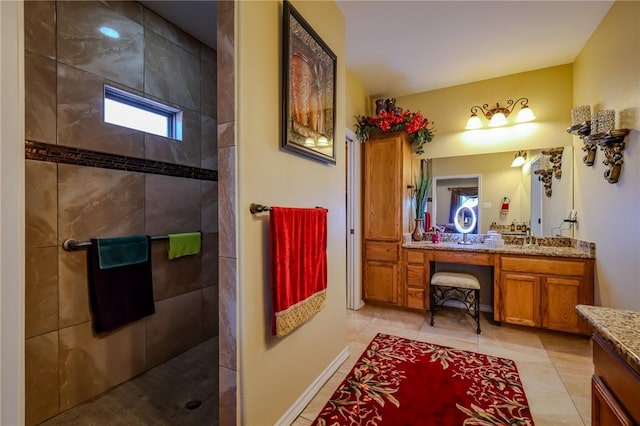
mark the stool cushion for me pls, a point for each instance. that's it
(455, 279)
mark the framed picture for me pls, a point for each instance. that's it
(309, 90)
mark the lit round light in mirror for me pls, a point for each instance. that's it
(309, 142)
(461, 213)
(323, 141)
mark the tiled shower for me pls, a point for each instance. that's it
(69, 193)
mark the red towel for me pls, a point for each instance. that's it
(298, 240)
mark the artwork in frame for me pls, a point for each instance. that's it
(309, 86)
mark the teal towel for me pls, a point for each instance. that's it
(184, 244)
(122, 251)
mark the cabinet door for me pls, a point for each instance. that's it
(559, 299)
(382, 197)
(605, 408)
(520, 298)
(381, 281)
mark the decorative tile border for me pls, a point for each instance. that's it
(83, 157)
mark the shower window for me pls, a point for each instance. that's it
(135, 112)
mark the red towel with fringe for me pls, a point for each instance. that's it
(298, 252)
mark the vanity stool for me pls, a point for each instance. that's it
(464, 288)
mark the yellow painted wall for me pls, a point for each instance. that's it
(274, 372)
(357, 100)
(607, 76)
(549, 91)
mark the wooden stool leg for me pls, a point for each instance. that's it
(432, 301)
(477, 310)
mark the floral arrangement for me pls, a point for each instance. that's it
(418, 127)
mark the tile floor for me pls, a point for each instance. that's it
(555, 368)
(158, 396)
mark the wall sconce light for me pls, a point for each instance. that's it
(519, 160)
(497, 116)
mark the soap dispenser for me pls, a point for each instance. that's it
(513, 226)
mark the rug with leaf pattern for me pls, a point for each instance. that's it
(398, 381)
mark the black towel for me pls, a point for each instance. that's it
(119, 295)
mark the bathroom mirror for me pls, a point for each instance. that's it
(449, 193)
(496, 179)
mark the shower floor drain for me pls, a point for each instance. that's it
(192, 405)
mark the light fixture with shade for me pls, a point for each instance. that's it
(520, 159)
(497, 115)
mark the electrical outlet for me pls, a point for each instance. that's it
(486, 205)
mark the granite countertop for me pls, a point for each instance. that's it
(619, 327)
(530, 250)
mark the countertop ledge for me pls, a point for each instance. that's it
(530, 250)
(619, 327)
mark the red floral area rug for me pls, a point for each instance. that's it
(399, 381)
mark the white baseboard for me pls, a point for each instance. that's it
(294, 411)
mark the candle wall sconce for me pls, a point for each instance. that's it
(555, 157)
(583, 130)
(612, 144)
(600, 132)
(545, 176)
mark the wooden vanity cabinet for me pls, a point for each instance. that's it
(386, 204)
(614, 388)
(540, 291)
(417, 273)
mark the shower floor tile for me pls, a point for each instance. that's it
(158, 396)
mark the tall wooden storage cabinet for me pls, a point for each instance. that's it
(386, 167)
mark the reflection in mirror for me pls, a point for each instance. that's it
(452, 192)
(496, 179)
(465, 220)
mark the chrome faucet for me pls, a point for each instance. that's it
(529, 239)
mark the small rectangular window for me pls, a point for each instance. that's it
(135, 112)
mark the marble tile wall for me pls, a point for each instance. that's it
(228, 387)
(67, 64)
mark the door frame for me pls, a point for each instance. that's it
(12, 211)
(354, 228)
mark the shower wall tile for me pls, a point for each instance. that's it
(226, 71)
(209, 143)
(228, 398)
(186, 151)
(131, 9)
(40, 98)
(170, 32)
(41, 378)
(209, 81)
(209, 206)
(172, 205)
(41, 201)
(40, 27)
(173, 277)
(82, 45)
(170, 72)
(175, 327)
(210, 311)
(226, 136)
(81, 116)
(41, 291)
(227, 201)
(90, 365)
(210, 259)
(227, 294)
(99, 203)
(73, 288)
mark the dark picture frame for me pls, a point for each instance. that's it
(309, 90)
